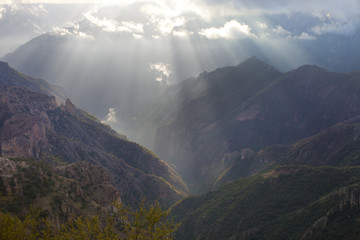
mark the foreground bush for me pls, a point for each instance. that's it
(146, 223)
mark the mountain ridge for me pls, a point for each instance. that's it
(251, 105)
(287, 202)
(11, 77)
(34, 126)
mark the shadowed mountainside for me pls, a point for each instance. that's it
(11, 77)
(338, 146)
(287, 202)
(250, 106)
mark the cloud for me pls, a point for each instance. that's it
(111, 117)
(74, 30)
(165, 26)
(231, 30)
(216, 8)
(305, 36)
(162, 71)
(2, 12)
(334, 7)
(62, 1)
(181, 33)
(262, 25)
(30, 9)
(110, 25)
(344, 28)
(61, 31)
(279, 30)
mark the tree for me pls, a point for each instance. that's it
(146, 223)
(143, 224)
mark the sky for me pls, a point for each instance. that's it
(21, 20)
(170, 41)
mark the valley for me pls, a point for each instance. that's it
(179, 120)
(268, 155)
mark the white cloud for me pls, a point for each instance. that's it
(181, 33)
(31, 9)
(74, 30)
(62, 1)
(338, 27)
(111, 116)
(110, 25)
(162, 71)
(334, 7)
(2, 12)
(61, 31)
(173, 9)
(165, 26)
(281, 31)
(262, 25)
(305, 36)
(231, 30)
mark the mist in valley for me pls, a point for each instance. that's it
(125, 62)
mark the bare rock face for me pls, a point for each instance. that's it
(33, 126)
(27, 144)
(25, 122)
(68, 107)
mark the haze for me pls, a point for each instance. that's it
(112, 56)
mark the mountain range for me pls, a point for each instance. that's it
(33, 125)
(269, 155)
(249, 106)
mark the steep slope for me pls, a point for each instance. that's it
(33, 126)
(251, 106)
(77, 64)
(193, 137)
(338, 146)
(60, 192)
(11, 77)
(283, 203)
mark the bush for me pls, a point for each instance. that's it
(143, 224)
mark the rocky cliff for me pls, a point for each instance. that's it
(33, 126)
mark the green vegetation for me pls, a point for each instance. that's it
(282, 203)
(144, 224)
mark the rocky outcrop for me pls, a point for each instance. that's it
(33, 126)
(25, 122)
(344, 198)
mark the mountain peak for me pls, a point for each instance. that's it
(253, 59)
(311, 68)
(255, 64)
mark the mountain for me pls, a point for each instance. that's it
(33, 126)
(61, 192)
(306, 190)
(92, 80)
(336, 146)
(250, 106)
(287, 202)
(12, 77)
